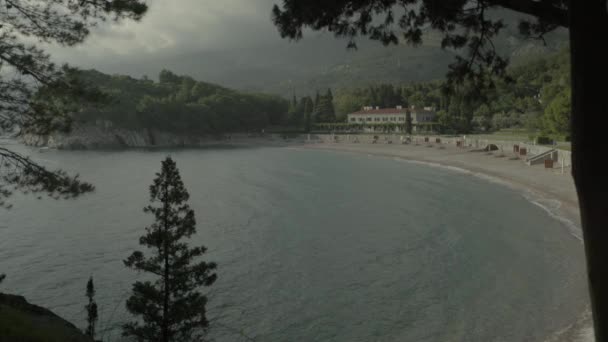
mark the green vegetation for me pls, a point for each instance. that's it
(535, 97)
(179, 104)
(171, 307)
(303, 114)
(22, 321)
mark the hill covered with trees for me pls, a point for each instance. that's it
(179, 104)
(536, 97)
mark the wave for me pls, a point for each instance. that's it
(582, 329)
(551, 206)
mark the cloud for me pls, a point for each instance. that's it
(177, 27)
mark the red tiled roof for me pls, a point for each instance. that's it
(392, 111)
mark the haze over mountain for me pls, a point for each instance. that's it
(243, 50)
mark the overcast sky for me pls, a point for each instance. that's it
(230, 42)
(177, 27)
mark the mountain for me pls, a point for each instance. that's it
(320, 61)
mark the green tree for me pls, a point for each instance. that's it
(417, 99)
(182, 106)
(171, 307)
(91, 308)
(168, 77)
(557, 114)
(482, 117)
(308, 113)
(408, 122)
(322, 111)
(330, 112)
(349, 101)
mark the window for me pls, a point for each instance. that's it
(353, 119)
(369, 119)
(402, 119)
(385, 119)
(376, 119)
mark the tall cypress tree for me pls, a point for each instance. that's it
(330, 112)
(91, 308)
(308, 108)
(408, 122)
(329, 95)
(317, 100)
(170, 307)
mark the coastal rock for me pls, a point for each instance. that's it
(22, 321)
(104, 136)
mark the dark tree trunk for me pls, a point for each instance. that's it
(588, 34)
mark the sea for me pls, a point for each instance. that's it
(311, 246)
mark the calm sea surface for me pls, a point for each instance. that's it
(311, 246)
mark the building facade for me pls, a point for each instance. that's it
(377, 119)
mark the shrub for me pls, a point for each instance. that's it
(544, 140)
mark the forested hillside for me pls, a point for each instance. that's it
(179, 104)
(537, 98)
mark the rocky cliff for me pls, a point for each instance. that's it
(99, 136)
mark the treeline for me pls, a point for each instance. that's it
(537, 98)
(305, 112)
(180, 104)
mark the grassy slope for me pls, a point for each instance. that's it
(24, 322)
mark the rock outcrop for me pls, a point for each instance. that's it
(98, 137)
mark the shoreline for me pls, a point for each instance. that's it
(551, 190)
(548, 189)
(545, 186)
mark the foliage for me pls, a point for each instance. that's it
(462, 24)
(306, 113)
(25, 67)
(408, 122)
(91, 308)
(170, 307)
(556, 119)
(180, 104)
(543, 140)
(23, 325)
(537, 98)
(18, 172)
(324, 110)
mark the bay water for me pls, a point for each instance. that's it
(310, 246)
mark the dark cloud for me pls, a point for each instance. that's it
(177, 27)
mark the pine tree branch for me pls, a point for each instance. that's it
(555, 12)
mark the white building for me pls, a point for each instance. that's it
(370, 117)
